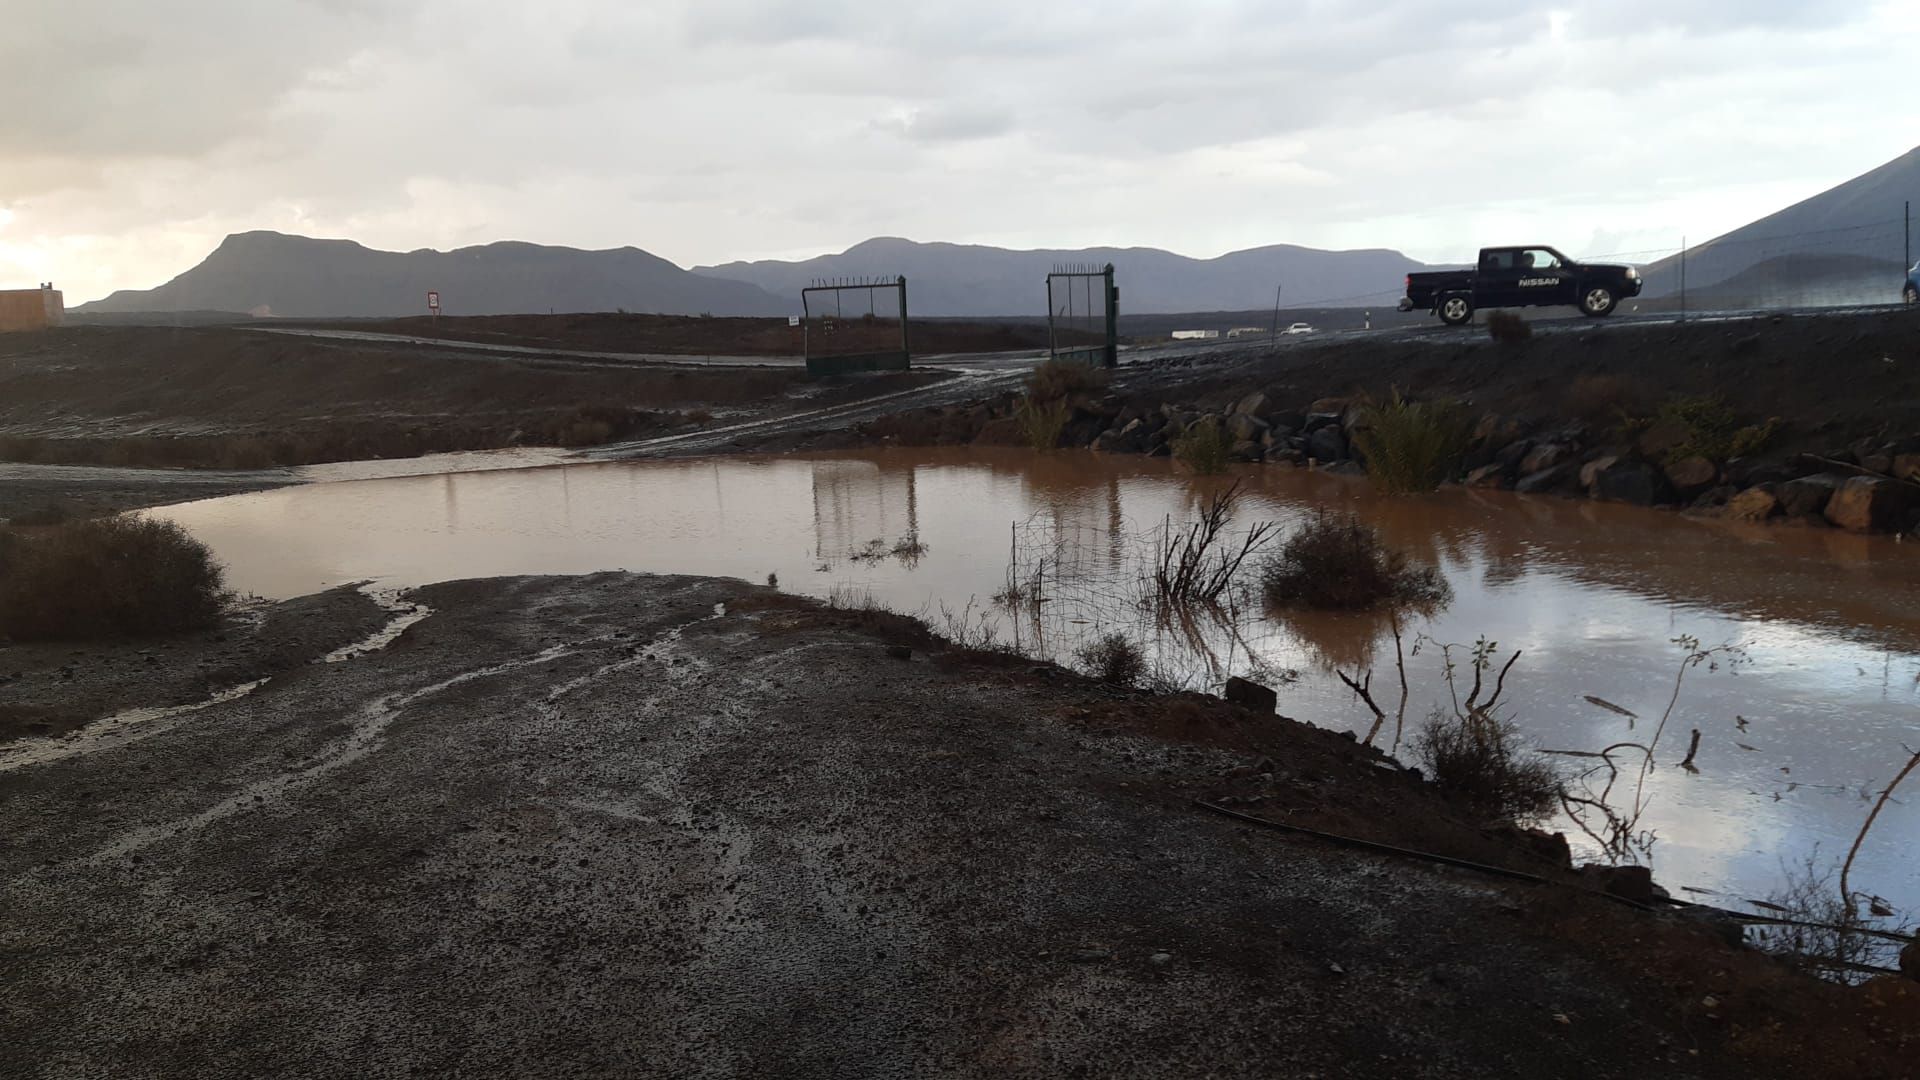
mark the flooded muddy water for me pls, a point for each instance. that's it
(1796, 739)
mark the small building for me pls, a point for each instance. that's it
(31, 309)
(1195, 335)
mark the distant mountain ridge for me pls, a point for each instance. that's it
(274, 273)
(1818, 250)
(977, 280)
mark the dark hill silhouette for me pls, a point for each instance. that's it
(972, 280)
(1818, 247)
(273, 273)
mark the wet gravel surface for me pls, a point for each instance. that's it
(85, 490)
(623, 826)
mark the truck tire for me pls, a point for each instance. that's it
(1597, 300)
(1455, 310)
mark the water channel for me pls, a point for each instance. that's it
(1795, 740)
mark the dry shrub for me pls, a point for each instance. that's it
(1507, 328)
(109, 577)
(1041, 423)
(1063, 381)
(1205, 448)
(1413, 446)
(1113, 658)
(1477, 758)
(1340, 563)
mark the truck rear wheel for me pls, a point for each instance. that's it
(1456, 310)
(1596, 301)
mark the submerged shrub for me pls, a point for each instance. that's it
(1113, 658)
(1413, 445)
(1478, 759)
(108, 577)
(1204, 448)
(1335, 562)
(1063, 380)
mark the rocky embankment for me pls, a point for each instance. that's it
(1869, 485)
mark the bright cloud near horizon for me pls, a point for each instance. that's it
(139, 134)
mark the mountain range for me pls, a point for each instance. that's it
(1842, 245)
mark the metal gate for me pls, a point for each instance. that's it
(855, 324)
(1083, 315)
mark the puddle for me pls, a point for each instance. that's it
(1795, 742)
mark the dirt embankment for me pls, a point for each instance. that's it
(685, 335)
(1813, 419)
(229, 398)
(623, 825)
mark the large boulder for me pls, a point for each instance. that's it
(1246, 427)
(1251, 694)
(1489, 476)
(1754, 504)
(1692, 475)
(1245, 450)
(1906, 466)
(1873, 504)
(1511, 455)
(1631, 480)
(1327, 444)
(1545, 481)
(1808, 495)
(1542, 457)
(1253, 404)
(1594, 468)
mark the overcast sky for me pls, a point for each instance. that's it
(137, 133)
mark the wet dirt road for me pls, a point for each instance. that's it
(608, 826)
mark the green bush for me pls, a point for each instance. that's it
(1340, 563)
(1713, 432)
(1413, 445)
(1041, 422)
(108, 577)
(1204, 448)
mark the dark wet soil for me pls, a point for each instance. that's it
(644, 826)
(48, 689)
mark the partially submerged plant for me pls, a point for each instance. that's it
(1041, 422)
(1205, 448)
(1113, 658)
(108, 577)
(1341, 563)
(1194, 564)
(1412, 446)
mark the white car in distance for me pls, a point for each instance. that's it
(1299, 328)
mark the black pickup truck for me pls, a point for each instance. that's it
(1520, 277)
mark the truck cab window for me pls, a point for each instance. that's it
(1497, 260)
(1539, 259)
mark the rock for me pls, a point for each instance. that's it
(1714, 497)
(1244, 450)
(1345, 468)
(1286, 456)
(1754, 504)
(1872, 504)
(1880, 461)
(1692, 475)
(1542, 457)
(899, 652)
(1808, 495)
(1287, 420)
(1251, 694)
(1488, 476)
(1627, 882)
(1663, 436)
(1327, 444)
(1910, 961)
(1316, 421)
(1246, 428)
(1336, 406)
(1632, 481)
(1544, 481)
(1253, 404)
(1594, 468)
(1499, 430)
(1160, 959)
(1552, 847)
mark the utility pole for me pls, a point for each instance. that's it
(1683, 279)
(1274, 334)
(1906, 232)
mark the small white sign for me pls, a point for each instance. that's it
(433, 301)
(793, 320)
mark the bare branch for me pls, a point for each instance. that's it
(1847, 867)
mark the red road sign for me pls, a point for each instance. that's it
(433, 301)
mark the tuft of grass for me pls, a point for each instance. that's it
(1340, 563)
(105, 578)
(1204, 448)
(1113, 658)
(1041, 423)
(1507, 328)
(1478, 759)
(1413, 446)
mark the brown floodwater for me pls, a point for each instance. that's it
(1796, 738)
